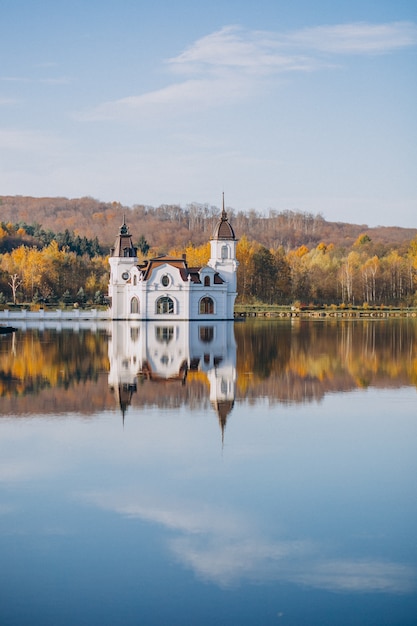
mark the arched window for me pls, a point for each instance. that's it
(134, 305)
(164, 334)
(206, 334)
(225, 252)
(164, 305)
(206, 305)
(134, 333)
(206, 281)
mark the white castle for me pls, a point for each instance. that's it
(165, 288)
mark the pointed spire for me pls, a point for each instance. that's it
(124, 230)
(223, 229)
(224, 214)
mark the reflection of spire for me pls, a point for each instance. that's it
(124, 393)
(223, 409)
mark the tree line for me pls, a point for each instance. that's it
(38, 265)
(171, 225)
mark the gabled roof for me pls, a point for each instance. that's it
(186, 273)
(148, 266)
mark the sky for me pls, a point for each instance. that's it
(282, 105)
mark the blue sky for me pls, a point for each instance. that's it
(302, 105)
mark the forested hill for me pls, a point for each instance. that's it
(170, 226)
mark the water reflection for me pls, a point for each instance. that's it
(305, 515)
(166, 357)
(304, 360)
(45, 370)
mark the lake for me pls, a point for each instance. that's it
(252, 473)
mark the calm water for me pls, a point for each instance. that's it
(257, 473)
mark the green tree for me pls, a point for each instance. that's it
(143, 245)
(265, 275)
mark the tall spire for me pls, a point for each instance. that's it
(124, 230)
(223, 229)
(224, 214)
(123, 246)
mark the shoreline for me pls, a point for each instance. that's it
(241, 313)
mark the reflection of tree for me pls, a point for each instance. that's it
(263, 348)
(42, 359)
(49, 371)
(308, 359)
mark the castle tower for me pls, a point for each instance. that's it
(122, 259)
(223, 256)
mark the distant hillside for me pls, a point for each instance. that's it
(171, 226)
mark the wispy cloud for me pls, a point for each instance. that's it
(7, 101)
(27, 141)
(233, 63)
(235, 48)
(59, 80)
(183, 96)
(227, 548)
(356, 38)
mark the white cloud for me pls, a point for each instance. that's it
(356, 38)
(359, 576)
(178, 97)
(226, 548)
(59, 80)
(232, 47)
(27, 140)
(233, 63)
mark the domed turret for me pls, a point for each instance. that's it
(223, 230)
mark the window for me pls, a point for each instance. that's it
(206, 305)
(225, 252)
(134, 336)
(164, 334)
(206, 281)
(206, 334)
(165, 280)
(134, 305)
(164, 305)
(135, 279)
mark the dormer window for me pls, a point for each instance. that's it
(206, 281)
(165, 280)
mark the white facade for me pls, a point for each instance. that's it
(165, 288)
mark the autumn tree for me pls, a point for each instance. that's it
(245, 251)
(14, 284)
(300, 278)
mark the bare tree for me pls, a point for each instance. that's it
(14, 283)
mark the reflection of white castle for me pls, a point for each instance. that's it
(166, 288)
(161, 352)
